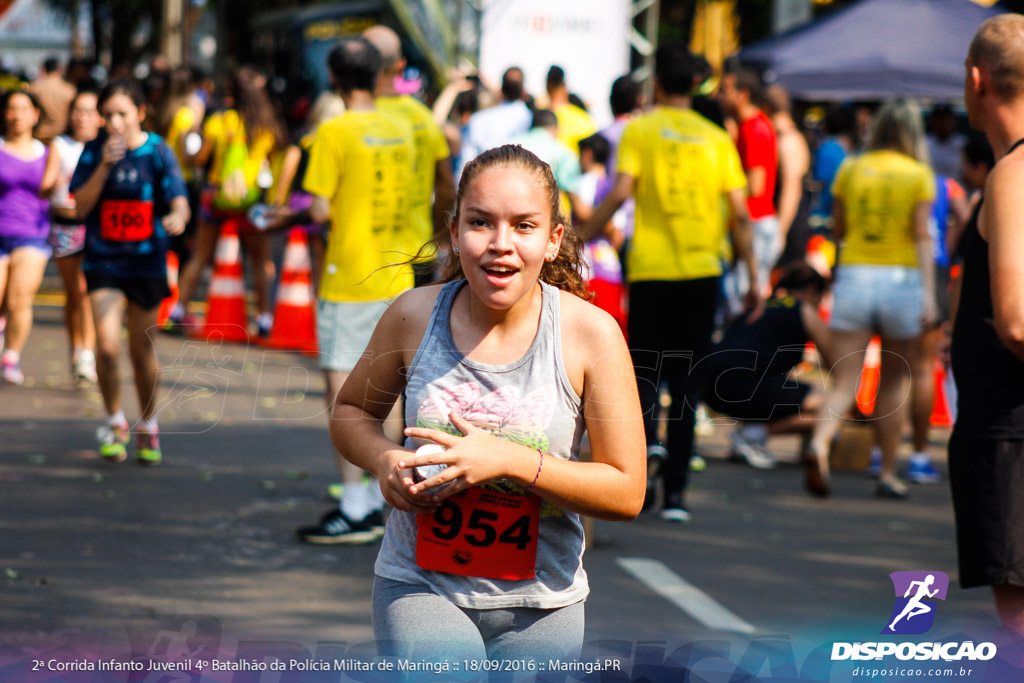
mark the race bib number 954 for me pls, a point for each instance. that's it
(126, 220)
(483, 533)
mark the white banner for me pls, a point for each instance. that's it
(587, 38)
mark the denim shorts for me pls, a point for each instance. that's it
(888, 300)
(343, 331)
(9, 244)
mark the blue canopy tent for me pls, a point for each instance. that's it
(873, 50)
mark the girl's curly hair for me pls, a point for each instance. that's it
(564, 272)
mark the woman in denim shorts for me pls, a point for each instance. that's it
(883, 282)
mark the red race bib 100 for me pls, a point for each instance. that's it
(480, 532)
(126, 220)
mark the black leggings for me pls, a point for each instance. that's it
(670, 326)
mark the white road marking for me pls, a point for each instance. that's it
(687, 597)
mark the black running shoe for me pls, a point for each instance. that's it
(674, 510)
(337, 529)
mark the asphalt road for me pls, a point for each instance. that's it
(90, 553)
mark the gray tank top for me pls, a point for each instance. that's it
(530, 402)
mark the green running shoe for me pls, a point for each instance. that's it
(112, 440)
(147, 449)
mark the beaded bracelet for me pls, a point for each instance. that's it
(539, 468)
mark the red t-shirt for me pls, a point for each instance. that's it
(759, 146)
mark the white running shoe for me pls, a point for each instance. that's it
(85, 369)
(749, 450)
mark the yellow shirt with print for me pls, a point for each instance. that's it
(226, 126)
(879, 191)
(574, 124)
(183, 122)
(362, 162)
(431, 147)
(683, 165)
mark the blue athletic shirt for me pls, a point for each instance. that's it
(124, 234)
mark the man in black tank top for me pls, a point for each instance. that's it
(986, 451)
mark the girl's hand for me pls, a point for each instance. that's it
(396, 482)
(474, 459)
(114, 149)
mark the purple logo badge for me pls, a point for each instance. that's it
(914, 611)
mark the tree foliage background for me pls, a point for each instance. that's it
(130, 29)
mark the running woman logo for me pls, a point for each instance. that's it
(914, 613)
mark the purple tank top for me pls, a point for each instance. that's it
(23, 213)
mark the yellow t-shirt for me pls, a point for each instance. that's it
(879, 191)
(683, 165)
(431, 147)
(574, 124)
(184, 121)
(226, 126)
(362, 162)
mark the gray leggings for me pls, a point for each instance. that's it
(412, 622)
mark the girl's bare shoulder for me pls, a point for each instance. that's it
(585, 327)
(410, 313)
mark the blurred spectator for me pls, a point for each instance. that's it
(459, 100)
(178, 115)
(792, 195)
(238, 143)
(54, 95)
(945, 144)
(884, 283)
(950, 211)
(8, 79)
(601, 267)
(291, 203)
(467, 103)
(494, 127)
(742, 96)
(624, 101)
(431, 181)
(204, 84)
(80, 75)
(750, 368)
(683, 171)
(704, 85)
(841, 141)
(543, 140)
(67, 236)
(574, 123)
(978, 160)
(358, 175)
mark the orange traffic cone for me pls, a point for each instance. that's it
(867, 389)
(172, 280)
(294, 318)
(940, 408)
(225, 302)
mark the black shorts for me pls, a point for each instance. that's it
(144, 292)
(764, 399)
(987, 480)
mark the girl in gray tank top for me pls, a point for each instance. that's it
(484, 558)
